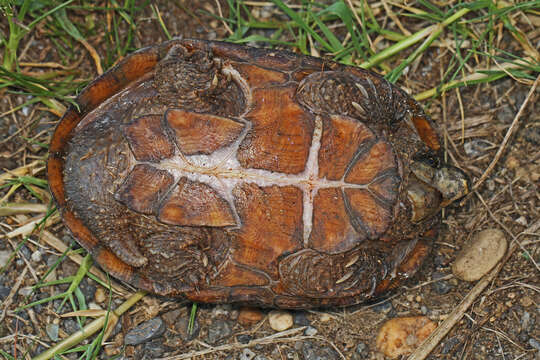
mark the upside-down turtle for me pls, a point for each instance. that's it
(224, 173)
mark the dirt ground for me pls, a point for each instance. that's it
(502, 322)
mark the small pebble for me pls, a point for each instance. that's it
(525, 319)
(94, 306)
(480, 255)
(36, 256)
(247, 354)
(153, 349)
(218, 330)
(534, 343)
(70, 326)
(526, 301)
(310, 331)
(244, 338)
(383, 308)
(145, 331)
(400, 336)
(476, 147)
(4, 292)
(26, 291)
(300, 318)
(312, 351)
(361, 348)
(52, 331)
(280, 320)
(325, 317)
(449, 344)
(4, 257)
(424, 309)
(522, 221)
(99, 295)
(221, 311)
(248, 316)
(441, 287)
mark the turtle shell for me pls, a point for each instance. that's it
(224, 173)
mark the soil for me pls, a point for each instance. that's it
(502, 323)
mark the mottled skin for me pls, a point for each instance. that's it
(224, 173)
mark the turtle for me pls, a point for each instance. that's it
(221, 173)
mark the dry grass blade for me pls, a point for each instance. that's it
(22, 208)
(90, 329)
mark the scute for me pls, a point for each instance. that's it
(193, 203)
(223, 173)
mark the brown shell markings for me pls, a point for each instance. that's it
(272, 178)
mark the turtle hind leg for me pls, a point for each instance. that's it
(407, 258)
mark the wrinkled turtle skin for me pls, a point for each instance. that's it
(223, 173)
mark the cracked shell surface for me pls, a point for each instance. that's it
(223, 173)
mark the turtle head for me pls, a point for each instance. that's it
(435, 184)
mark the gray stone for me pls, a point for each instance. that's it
(314, 352)
(218, 330)
(310, 331)
(525, 320)
(145, 331)
(476, 147)
(4, 292)
(52, 331)
(449, 344)
(534, 343)
(441, 287)
(4, 257)
(247, 354)
(361, 352)
(36, 256)
(384, 308)
(244, 338)
(300, 318)
(153, 349)
(70, 326)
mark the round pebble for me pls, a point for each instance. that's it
(4, 257)
(400, 336)
(218, 330)
(99, 295)
(36, 256)
(248, 316)
(52, 331)
(310, 331)
(280, 320)
(480, 255)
